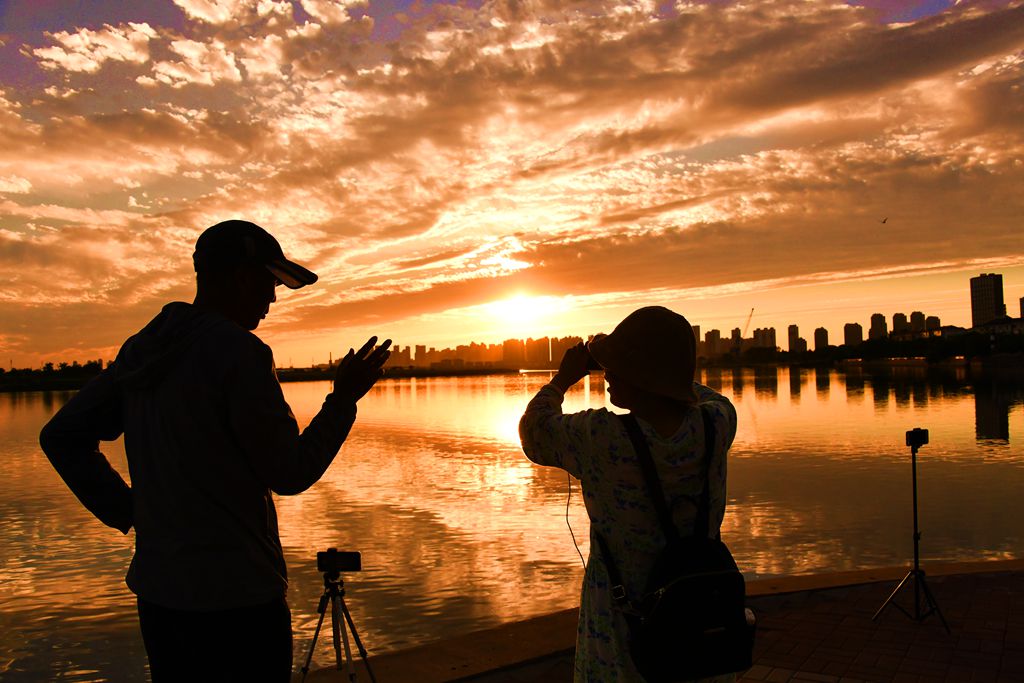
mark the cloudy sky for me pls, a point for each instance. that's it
(478, 171)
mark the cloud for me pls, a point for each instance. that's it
(331, 11)
(216, 11)
(15, 185)
(202, 64)
(603, 149)
(86, 50)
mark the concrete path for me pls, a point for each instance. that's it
(810, 629)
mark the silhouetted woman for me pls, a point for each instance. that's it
(649, 362)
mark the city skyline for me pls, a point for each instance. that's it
(458, 171)
(544, 351)
(712, 342)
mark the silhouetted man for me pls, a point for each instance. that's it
(208, 436)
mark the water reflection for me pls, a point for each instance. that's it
(737, 383)
(766, 382)
(993, 403)
(796, 379)
(456, 527)
(822, 383)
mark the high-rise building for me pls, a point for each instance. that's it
(1022, 307)
(899, 323)
(879, 329)
(820, 339)
(853, 334)
(986, 298)
(538, 352)
(932, 322)
(712, 342)
(764, 338)
(917, 321)
(513, 353)
(793, 335)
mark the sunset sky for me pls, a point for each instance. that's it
(479, 171)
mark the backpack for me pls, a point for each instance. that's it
(691, 621)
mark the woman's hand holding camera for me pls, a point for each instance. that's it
(574, 367)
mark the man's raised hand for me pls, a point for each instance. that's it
(360, 370)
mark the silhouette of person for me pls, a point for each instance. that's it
(649, 361)
(208, 436)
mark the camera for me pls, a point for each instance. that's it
(592, 364)
(333, 560)
(917, 437)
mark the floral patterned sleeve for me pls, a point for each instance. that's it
(552, 438)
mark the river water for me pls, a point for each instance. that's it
(459, 532)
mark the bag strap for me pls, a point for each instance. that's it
(700, 525)
(654, 488)
(657, 495)
(655, 491)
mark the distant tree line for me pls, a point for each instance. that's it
(50, 376)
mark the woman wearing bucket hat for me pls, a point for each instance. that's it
(649, 361)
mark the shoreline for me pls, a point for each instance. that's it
(1010, 366)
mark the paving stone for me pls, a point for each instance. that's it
(814, 677)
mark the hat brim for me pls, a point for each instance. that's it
(598, 348)
(291, 274)
(602, 350)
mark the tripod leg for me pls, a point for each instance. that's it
(316, 634)
(891, 596)
(336, 634)
(339, 625)
(933, 604)
(359, 643)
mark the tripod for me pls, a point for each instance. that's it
(915, 439)
(334, 592)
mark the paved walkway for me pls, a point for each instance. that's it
(809, 631)
(828, 636)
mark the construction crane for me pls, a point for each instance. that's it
(738, 344)
(747, 326)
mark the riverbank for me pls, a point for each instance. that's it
(810, 628)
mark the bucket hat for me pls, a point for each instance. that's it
(230, 243)
(653, 349)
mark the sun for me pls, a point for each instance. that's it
(530, 314)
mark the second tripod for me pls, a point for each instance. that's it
(922, 594)
(332, 563)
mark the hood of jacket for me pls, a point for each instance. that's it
(147, 356)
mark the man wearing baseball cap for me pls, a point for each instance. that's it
(209, 437)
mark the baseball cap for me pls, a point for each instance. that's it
(233, 242)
